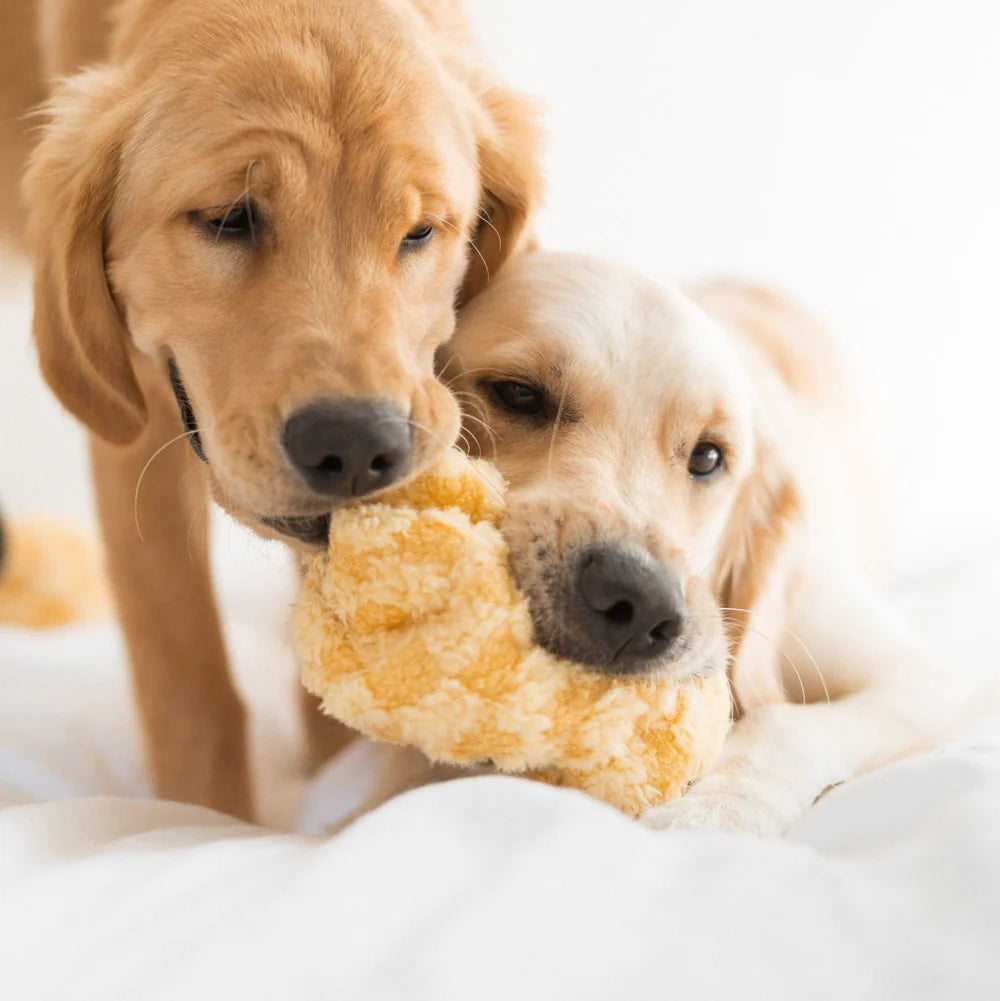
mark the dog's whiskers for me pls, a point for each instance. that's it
(191, 469)
(467, 401)
(243, 196)
(531, 344)
(145, 468)
(465, 394)
(430, 432)
(484, 217)
(472, 243)
(479, 420)
(474, 371)
(484, 426)
(784, 654)
(555, 431)
(444, 368)
(798, 639)
(194, 518)
(732, 697)
(467, 439)
(533, 349)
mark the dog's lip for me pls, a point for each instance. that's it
(695, 658)
(312, 529)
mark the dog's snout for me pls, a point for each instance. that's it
(630, 610)
(348, 448)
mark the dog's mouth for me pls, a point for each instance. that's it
(188, 418)
(313, 530)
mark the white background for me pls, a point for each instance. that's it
(847, 152)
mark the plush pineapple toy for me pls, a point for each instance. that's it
(410, 629)
(50, 575)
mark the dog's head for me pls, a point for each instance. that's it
(643, 496)
(272, 209)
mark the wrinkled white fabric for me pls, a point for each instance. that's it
(481, 888)
(499, 888)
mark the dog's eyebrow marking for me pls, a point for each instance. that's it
(684, 424)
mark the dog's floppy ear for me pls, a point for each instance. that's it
(69, 186)
(508, 139)
(750, 573)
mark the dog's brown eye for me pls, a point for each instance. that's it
(238, 222)
(518, 397)
(705, 459)
(418, 237)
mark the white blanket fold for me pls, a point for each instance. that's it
(489, 887)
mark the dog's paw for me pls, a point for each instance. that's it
(712, 806)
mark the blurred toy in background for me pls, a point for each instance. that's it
(50, 575)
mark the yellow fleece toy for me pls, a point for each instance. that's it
(50, 576)
(410, 629)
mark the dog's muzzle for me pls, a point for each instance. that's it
(187, 412)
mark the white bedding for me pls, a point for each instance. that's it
(485, 887)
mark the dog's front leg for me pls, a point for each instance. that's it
(779, 759)
(157, 553)
(886, 700)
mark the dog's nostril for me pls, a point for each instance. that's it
(380, 463)
(665, 630)
(621, 613)
(331, 464)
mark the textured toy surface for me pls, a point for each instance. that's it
(50, 576)
(410, 629)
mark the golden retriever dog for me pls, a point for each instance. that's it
(251, 221)
(663, 446)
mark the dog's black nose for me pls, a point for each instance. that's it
(348, 448)
(630, 608)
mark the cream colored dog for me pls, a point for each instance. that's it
(653, 439)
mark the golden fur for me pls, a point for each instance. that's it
(347, 123)
(636, 376)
